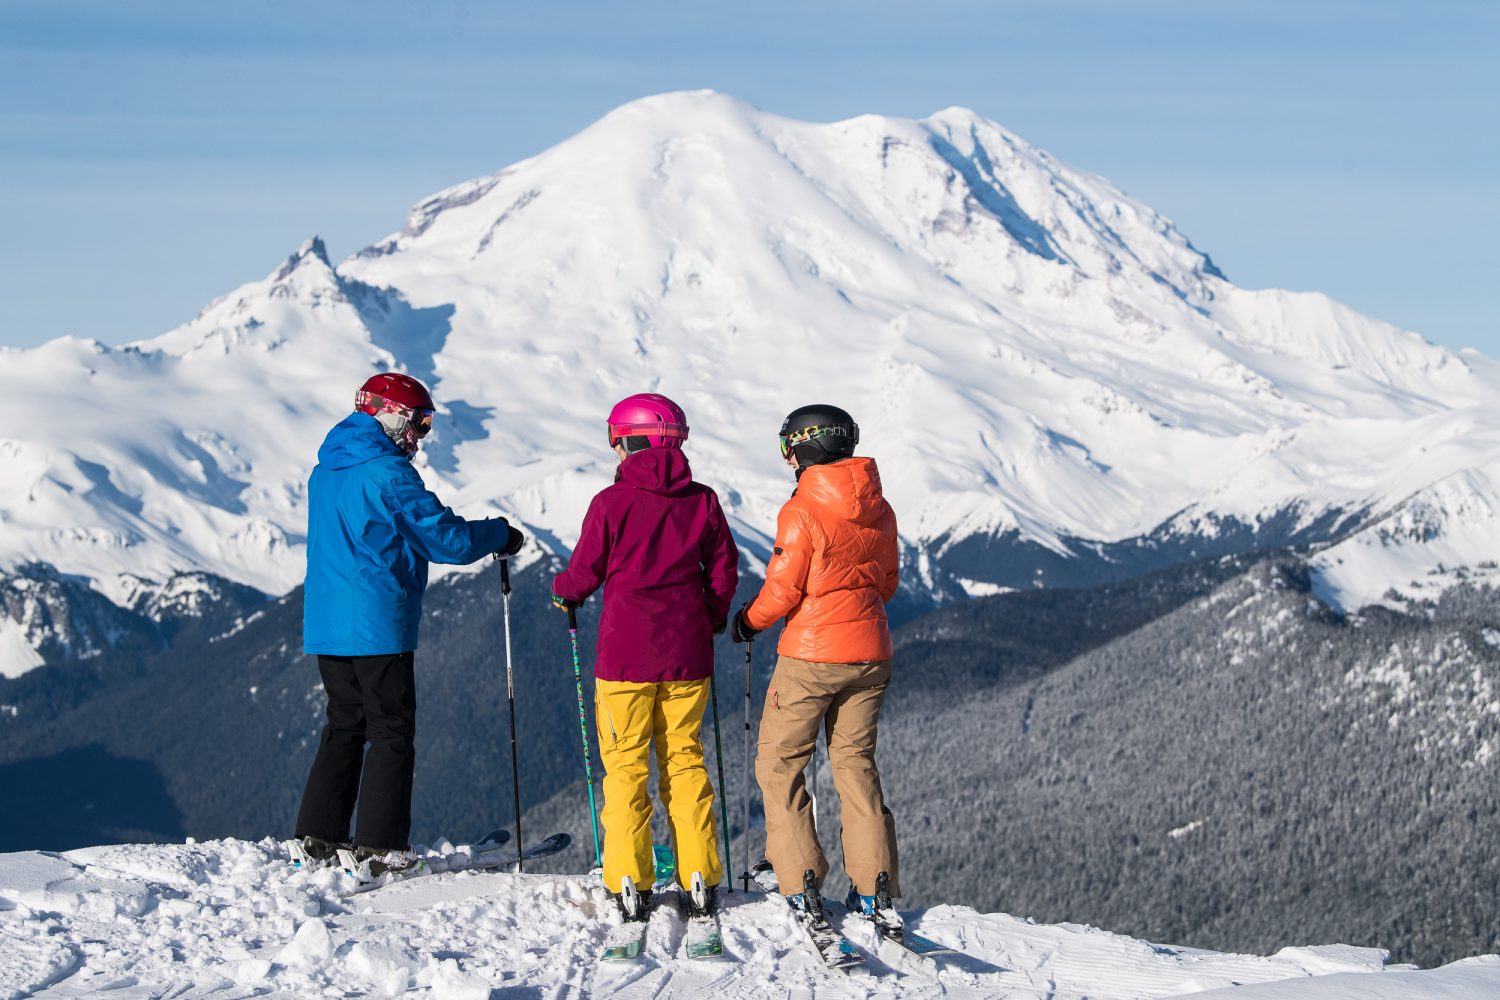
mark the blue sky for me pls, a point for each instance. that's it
(154, 155)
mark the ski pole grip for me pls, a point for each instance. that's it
(573, 619)
(505, 576)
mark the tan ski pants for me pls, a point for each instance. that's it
(844, 699)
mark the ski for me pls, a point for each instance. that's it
(664, 865)
(886, 924)
(300, 859)
(834, 950)
(624, 942)
(702, 939)
(455, 862)
(492, 839)
(911, 941)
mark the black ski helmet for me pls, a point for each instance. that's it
(818, 433)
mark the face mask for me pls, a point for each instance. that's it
(405, 427)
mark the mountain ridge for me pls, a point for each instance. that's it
(1052, 376)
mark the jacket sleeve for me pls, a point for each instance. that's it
(786, 573)
(590, 559)
(889, 554)
(434, 532)
(721, 564)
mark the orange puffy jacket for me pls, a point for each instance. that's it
(834, 567)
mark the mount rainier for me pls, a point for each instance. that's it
(1059, 387)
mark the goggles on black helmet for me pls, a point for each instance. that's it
(803, 435)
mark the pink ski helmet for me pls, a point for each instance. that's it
(650, 415)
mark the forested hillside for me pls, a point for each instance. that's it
(1203, 755)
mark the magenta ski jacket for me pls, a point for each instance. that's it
(660, 546)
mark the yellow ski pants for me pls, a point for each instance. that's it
(631, 718)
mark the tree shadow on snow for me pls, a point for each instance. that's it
(83, 797)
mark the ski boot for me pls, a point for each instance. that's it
(879, 908)
(312, 853)
(809, 902)
(370, 863)
(703, 900)
(635, 904)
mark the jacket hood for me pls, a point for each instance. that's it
(660, 470)
(850, 486)
(356, 439)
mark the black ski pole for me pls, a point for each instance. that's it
(713, 697)
(583, 729)
(510, 693)
(745, 878)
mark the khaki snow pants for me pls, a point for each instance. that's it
(844, 699)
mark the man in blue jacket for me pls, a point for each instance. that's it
(372, 528)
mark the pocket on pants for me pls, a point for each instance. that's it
(605, 716)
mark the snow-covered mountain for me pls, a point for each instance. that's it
(1056, 382)
(231, 918)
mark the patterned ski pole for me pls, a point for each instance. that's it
(713, 697)
(583, 729)
(745, 878)
(510, 693)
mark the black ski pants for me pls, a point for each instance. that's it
(371, 699)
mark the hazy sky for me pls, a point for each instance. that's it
(154, 155)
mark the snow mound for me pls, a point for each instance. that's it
(231, 916)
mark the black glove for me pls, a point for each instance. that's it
(562, 603)
(512, 544)
(719, 627)
(741, 630)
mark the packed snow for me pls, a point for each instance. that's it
(1026, 348)
(234, 919)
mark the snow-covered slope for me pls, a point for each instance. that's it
(230, 918)
(1032, 355)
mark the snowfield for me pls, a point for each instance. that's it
(233, 919)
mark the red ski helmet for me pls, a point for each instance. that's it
(650, 415)
(392, 387)
(401, 404)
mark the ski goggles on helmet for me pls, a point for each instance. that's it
(419, 419)
(792, 439)
(657, 429)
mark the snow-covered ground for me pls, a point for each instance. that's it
(232, 919)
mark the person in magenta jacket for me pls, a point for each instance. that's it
(660, 546)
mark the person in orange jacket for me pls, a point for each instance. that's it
(832, 570)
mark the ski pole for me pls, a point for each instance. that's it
(510, 693)
(745, 878)
(812, 769)
(713, 697)
(583, 729)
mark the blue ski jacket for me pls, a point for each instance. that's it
(372, 528)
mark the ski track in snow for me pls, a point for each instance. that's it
(230, 919)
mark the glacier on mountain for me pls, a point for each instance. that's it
(1048, 372)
